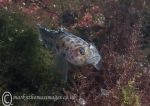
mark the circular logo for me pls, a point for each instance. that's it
(7, 98)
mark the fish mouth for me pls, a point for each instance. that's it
(98, 65)
(93, 60)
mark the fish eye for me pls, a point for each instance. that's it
(81, 50)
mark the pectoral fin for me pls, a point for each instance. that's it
(63, 67)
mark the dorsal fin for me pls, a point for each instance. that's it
(47, 36)
(47, 32)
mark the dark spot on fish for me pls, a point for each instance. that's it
(67, 39)
(78, 41)
(81, 59)
(73, 36)
(63, 54)
(63, 44)
(75, 61)
(70, 48)
(72, 57)
(72, 42)
(62, 36)
(67, 48)
(76, 54)
(84, 43)
(76, 45)
(57, 47)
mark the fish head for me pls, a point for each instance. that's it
(77, 55)
(94, 58)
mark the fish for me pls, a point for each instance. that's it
(72, 48)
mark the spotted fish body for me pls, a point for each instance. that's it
(74, 49)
